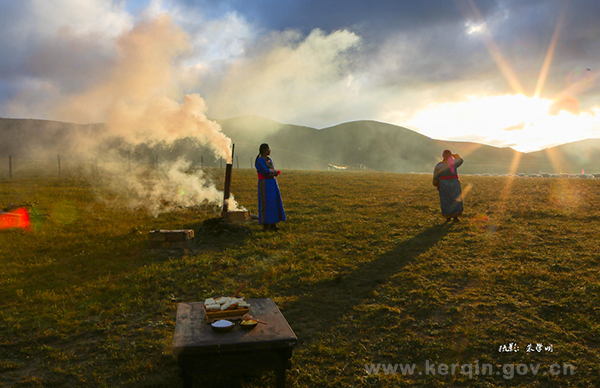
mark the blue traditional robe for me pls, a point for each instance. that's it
(270, 206)
(451, 200)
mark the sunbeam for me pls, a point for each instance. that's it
(503, 65)
(548, 60)
(555, 159)
(506, 190)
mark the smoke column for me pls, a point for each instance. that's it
(140, 101)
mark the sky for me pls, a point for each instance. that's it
(508, 73)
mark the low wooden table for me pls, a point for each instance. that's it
(202, 351)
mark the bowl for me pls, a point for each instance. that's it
(222, 325)
(248, 325)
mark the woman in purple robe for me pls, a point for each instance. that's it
(270, 206)
(445, 178)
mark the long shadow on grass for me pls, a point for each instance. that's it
(324, 303)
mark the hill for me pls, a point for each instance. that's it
(365, 144)
(385, 147)
(30, 138)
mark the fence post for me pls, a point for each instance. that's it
(157, 162)
(58, 165)
(237, 161)
(202, 160)
(9, 166)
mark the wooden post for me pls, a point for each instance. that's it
(9, 166)
(227, 186)
(157, 162)
(58, 165)
(237, 161)
(202, 160)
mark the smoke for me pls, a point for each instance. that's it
(140, 101)
(292, 78)
(172, 186)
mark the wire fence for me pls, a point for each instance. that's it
(13, 167)
(60, 165)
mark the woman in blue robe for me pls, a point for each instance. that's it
(445, 178)
(270, 206)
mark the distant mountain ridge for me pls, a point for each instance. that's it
(359, 144)
(386, 147)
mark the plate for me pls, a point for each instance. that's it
(222, 326)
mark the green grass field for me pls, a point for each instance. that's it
(365, 270)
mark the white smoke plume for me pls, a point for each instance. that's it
(140, 101)
(169, 188)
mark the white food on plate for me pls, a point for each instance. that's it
(222, 323)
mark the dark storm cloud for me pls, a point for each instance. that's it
(374, 17)
(73, 62)
(12, 42)
(440, 49)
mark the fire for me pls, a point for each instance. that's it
(15, 219)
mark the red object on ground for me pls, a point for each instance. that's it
(15, 219)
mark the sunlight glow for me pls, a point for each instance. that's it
(523, 123)
(516, 120)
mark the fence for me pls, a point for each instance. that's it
(59, 165)
(64, 166)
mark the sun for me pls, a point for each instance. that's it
(523, 122)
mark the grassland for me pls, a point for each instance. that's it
(365, 271)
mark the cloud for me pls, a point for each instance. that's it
(26, 25)
(565, 103)
(289, 77)
(516, 127)
(54, 46)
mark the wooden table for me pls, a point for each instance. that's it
(202, 351)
